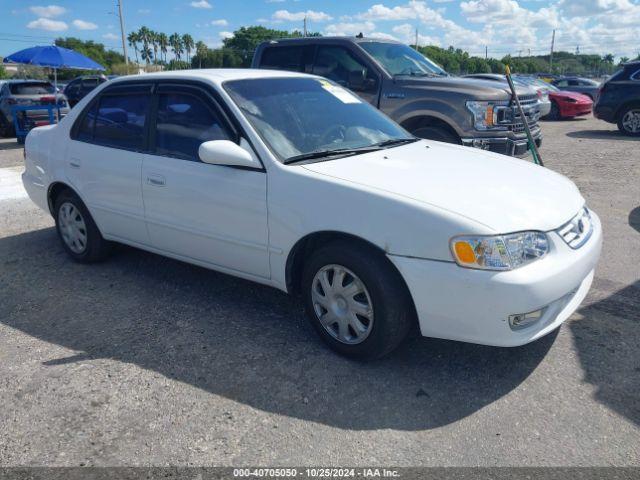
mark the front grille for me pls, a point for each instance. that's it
(529, 104)
(577, 231)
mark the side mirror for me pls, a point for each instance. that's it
(225, 152)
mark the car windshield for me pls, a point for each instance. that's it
(399, 59)
(31, 88)
(304, 118)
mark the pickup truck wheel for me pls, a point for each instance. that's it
(438, 134)
(355, 300)
(629, 121)
(78, 232)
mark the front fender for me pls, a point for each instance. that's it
(435, 108)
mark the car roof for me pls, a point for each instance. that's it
(27, 80)
(333, 39)
(215, 75)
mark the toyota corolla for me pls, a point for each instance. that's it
(292, 181)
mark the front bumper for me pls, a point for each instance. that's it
(575, 109)
(474, 305)
(514, 147)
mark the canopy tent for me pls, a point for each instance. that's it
(54, 57)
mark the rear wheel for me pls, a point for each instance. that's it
(6, 128)
(78, 232)
(356, 301)
(439, 134)
(629, 121)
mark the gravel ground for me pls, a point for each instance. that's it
(142, 360)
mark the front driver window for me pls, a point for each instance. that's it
(183, 123)
(339, 65)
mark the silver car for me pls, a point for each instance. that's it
(541, 88)
(28, 93)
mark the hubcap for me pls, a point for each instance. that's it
(631, 121)
(342, 304)
(72, 227)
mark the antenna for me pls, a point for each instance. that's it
(553, 41)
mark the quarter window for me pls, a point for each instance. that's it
(121, 120)
(183, 123)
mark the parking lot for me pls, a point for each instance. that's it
(143, 360)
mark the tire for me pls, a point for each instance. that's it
(392, 313)
(439, 134)
(630, 126)
(6, 128)
(554, 114)
(71, 215)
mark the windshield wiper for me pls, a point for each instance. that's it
(395, 141)
(331, 153)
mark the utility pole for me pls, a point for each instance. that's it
(124, 41)
(416, 38)
(553, 41)
(304, 26)
(486, 52)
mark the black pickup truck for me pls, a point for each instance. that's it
(413, 90)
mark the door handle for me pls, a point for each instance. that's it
(156, 180)
(74, 163)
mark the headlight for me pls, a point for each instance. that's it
(490, 115)
(500, 252)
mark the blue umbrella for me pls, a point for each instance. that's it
(54, 57)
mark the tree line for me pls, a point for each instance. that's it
(175, 51)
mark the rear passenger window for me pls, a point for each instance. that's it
(295, 59)
(183, 123)
(84, 133)
(120, 121)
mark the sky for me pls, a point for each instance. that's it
(516, 27)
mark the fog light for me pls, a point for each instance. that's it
(523, 320)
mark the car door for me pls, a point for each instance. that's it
(104, 160)
(213, 214)
(344, 67)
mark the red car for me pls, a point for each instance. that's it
(568, 104)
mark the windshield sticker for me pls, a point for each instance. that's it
(340, 93)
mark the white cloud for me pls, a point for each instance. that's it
(48, 24)
(219, 23)
(287, 16)
(84, 25)
(349, 29)
(144, 11)
(48, 11)
(224, 35)
(110, 36)
(201, 4)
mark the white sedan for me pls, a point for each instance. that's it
(292, 181)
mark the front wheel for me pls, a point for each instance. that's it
(78, 232)
(439, 134)
(356, 301)
(629, 121)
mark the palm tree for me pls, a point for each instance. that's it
(175, 40)
(153, 37)
(201, 51)
(163, 42)
(147, 54)
(187, 41)
(133, 40)
(145, 37)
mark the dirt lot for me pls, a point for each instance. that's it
(147, 361)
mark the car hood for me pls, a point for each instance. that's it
(502, 193)
(573, 95)
(471, 87)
